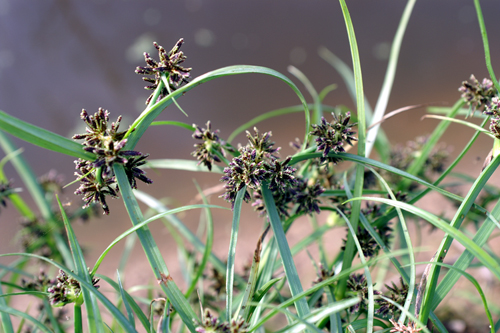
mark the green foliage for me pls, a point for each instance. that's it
(378, 200)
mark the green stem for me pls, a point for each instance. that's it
(486, 45)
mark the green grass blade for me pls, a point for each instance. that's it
(235, 226)
(95, 323)
(369, 282)
(128, 308)
(461, 112)
(317, 111)
(473, 281)
(446, 242)
(208, 245)
(486, 45)
(143, 224)
(465, 259)
(183, 230)
(6, 310)
(6, 322)
(320, 314)
(463, 122)
(152, 252)
(84, 284)
(275, 113)
(419, 162)
(347, 75)
(369, 162)
(284, 250)
(42, 138)
(360, 105)
(173, 123)
(258, 296)
(130, 300)
(185, 165)
(459, 236)
(385, 92)
(147, 117)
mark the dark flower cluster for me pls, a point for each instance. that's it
(212, 324)
(66, 290)
(397, 295)
(5, 191)
(255, 165)
(168, 67)
(401, 157)
(477, 94)
(357, 283)
(208, 151)
(39, 283)
(331, 136)
(97, 178)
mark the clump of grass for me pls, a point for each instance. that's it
(282, 190)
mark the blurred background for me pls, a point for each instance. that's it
(59, 56)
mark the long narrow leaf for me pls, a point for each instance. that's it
(148, 116)
(185, 165)
(42, 138)
(152, 252)
(385, 92)
(284, 250)
(95, 323)
(6, 322)
(235, 226)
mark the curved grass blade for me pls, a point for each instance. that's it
(130, 300)
(317, 111)
(94, 319)
(367, 161)
(446, 242)
(409, 314)
(381, 141)
(84, 284)
(185, 165)
(459, 236)
(6, 310)
(486, 45)
(128, 309)
(208, 245)
(143, 224)
(318, 286)
(406, 234)
(284, 250)
(419, 162)
(152, 252)
(188, 234)
(360, 106)
(257, 297)
(385, 92)
(369, 282)
(462, 122)
(473, 281)
(272, 114)
(42, 138)
(6, 321)
(235, 226)
(465, 259)
(173, 123)
(147, 117)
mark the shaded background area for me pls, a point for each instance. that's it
(57, 57)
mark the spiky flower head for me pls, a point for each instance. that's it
(357, 283)
(262, 144)
(169, 66)
(206, 151)
(107, 143)
(477, 94)
(398, 295)
(280, 175)
(66, 290)
(243, 170)
(212, 324)
(307, 197)
(331, 136)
